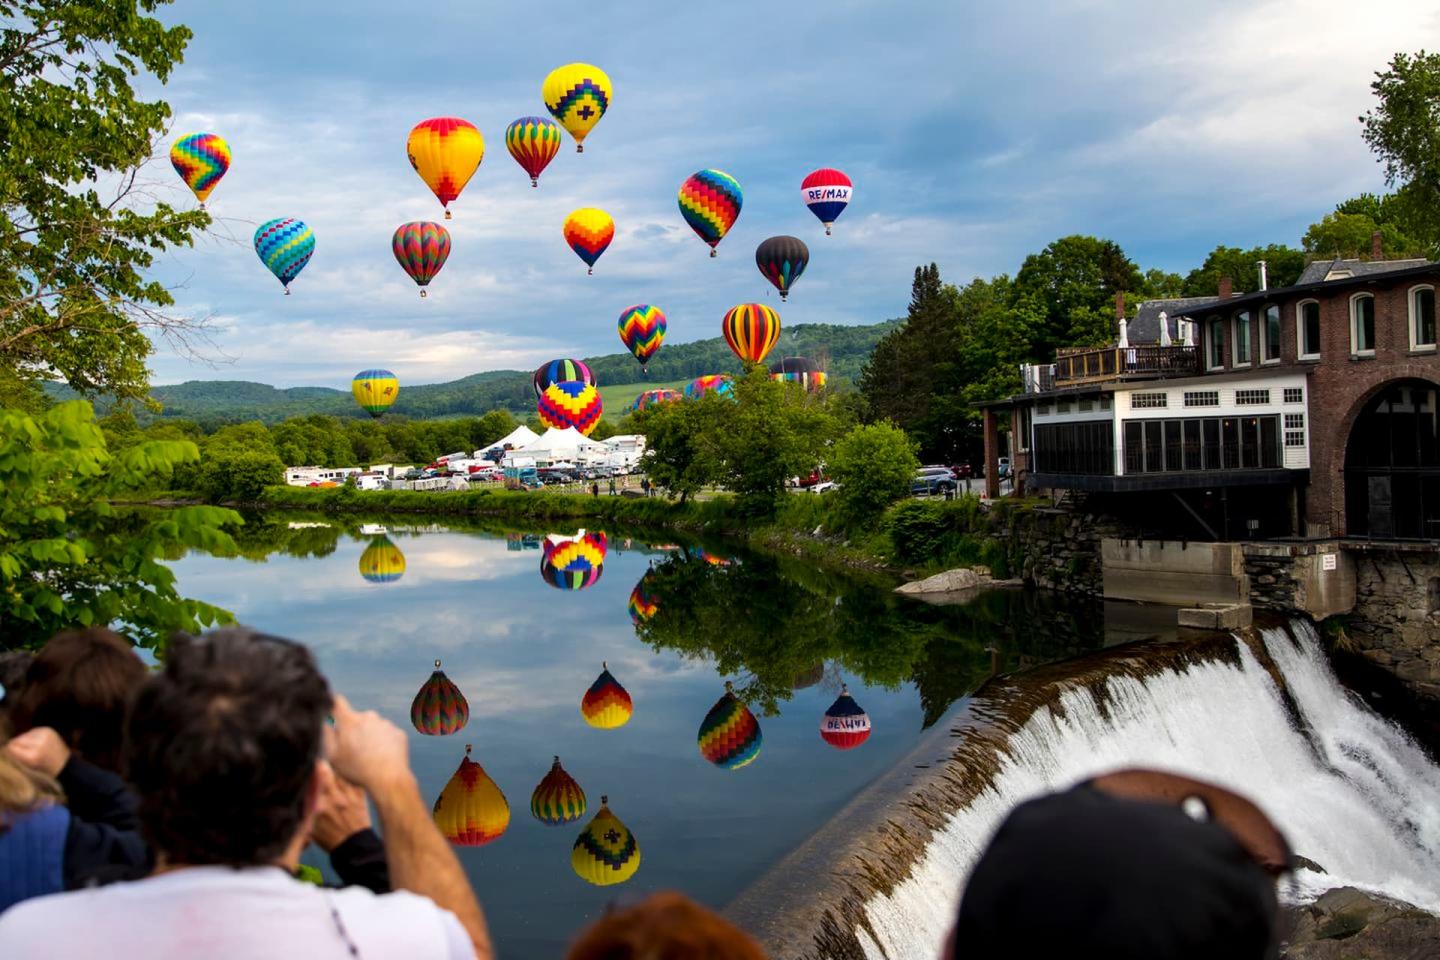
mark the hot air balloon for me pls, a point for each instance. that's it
(375, 390)
(284, 245)
(589, 231)
(571, 403)
(643, 602)
(557, 370)
(382, 561)
(421, 248)
(729, 735)
(649, 398)
(751, 329)
(557, 798)
(573, 563)
(605, 853)
(471, 811)
(781, 260)
(446, 152)
(201, 159)
(642, 328)
(721, 383)
(533, 142)
(826, 192)
(845, 726)
(710, 201)
(577, 95)
(439, 709)
(799, 370)
(606, 705)
(714, 559)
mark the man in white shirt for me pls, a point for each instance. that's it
(226, 749)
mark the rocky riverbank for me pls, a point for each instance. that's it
(1350, 924)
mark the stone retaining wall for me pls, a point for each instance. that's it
(1396, 622)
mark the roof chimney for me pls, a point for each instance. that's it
(1226, 288)
(1264, 280)
(1377, 251)
(1120, 305)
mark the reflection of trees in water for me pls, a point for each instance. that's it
(771, 623)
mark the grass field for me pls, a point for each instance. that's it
(618, 397)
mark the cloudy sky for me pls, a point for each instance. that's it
(975, 133)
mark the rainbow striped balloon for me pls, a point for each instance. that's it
(573, 563)
(643, 603)
(201, 159)
(284, 245)
(533, 142)
(557, 370)
(439, 709)
(751, 329)
(471, 811)
(651, 397)
(571, 403)
(606, 705)
(642, 330)
(720, 383)
(710, 202)
(557, 798)
(799, 370)
(421, 248)
(589, 231)
(729, 735)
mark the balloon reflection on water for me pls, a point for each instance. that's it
(605, 853)
(382, 561)
(471, 811)
(729, 735)
(439, 709)
(845, 726)
(573, 563)
(557, 798)
(606, 705)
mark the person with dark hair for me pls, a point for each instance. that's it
(79, 685)
(226, 748)
(664, 926)
(1136, 864)
(13, 664)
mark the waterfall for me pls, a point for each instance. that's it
(1351, 791)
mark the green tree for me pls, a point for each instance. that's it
(76, 235)
(898, 381)
(772, 432)
(235, 473)
(68, 558)
(1077, 278)
(1348, 236)
(681, 443)
(1283, 266)
(874, 465)
(1403, 131)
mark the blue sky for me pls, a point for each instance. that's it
(975, 133)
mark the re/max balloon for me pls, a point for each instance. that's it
(446, 152)
(710, 202)
(533, 142)
(421, 248)
(284, 245)
(589, 231)
(201, 159)
(577, 95)
(781, 261)
(826, 192)
(642, 329)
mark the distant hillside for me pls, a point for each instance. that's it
(841, 349)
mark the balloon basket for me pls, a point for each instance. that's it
(827, 229)
(713, 253)
(534, 182)
(423, 294)
(590, 272)
(579, 148)
(287, 291)
(448, 215)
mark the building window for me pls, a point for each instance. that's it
(1422, 318)
(1085, 405)
(1204, 443)
(1294, 395)
(1147, 401)
(1042, 408)
(1307, 329)
(1241, 340)
(1202, 398)
(1251, 397)
(1215, 345)
(1362, 325)
(1062, 406)
(1294, 429)
(1087, 447)
(1270, 335)
(1105, 402)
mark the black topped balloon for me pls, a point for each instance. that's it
(782, 260)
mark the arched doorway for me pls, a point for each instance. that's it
(1392, 465)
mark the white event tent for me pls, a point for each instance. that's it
(557, 445)
(516, 439)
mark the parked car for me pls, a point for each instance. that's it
(824, 485)
(1004, 470)
(963, 471)
(810, 479)
(933, 480)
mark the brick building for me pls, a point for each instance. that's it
(1308, 410)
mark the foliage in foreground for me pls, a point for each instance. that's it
(68, 557)
(874, 465)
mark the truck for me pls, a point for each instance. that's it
(522, 478)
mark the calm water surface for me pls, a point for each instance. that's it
(524, 651)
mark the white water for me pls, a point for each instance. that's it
(1351, 791)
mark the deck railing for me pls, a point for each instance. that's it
(1076, 366)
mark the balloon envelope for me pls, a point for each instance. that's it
(659, 395)
(421, 248)
(533, 142)
(642, 328)
(446, 152)
(752, 330)
(201, 159)
(710, 202)
(729, 735)
(781, 261)
(826, 192)
(471, 811)
(382, 561)
(577, 95)
(557, 798)
(799, 370)
(605, 853)
(284, 245)
(556, 370)
(721, 383)
(643, 602)
(571, 403)
(375, 390)
(606, 705)
(573, 563)
(439, 708)
(589, 231)
(845, 726)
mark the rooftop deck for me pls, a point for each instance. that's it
(1079, 366)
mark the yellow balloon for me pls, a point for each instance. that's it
(382, 561)
(605, 853)
(446, 152)
(471, 811)
(577, 95)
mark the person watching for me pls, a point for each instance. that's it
(226, 748)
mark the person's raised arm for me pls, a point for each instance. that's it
(372, 753)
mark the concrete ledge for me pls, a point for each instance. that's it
(1217, 616)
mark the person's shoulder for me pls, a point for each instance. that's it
(400, 918)
(40, 920)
